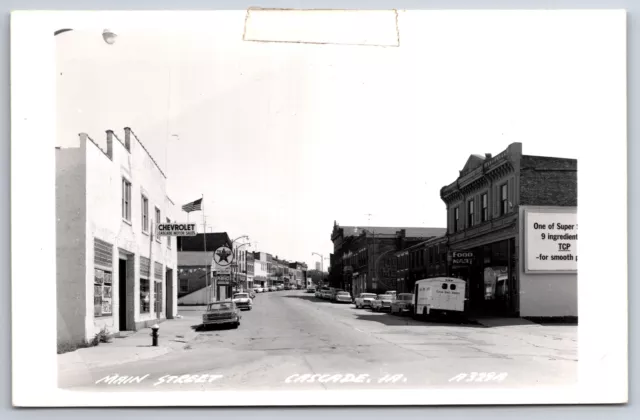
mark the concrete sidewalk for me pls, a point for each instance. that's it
(174, 334)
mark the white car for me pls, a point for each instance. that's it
(382, 303)
(364, 300)
(343, 297)
(258, 289)
(243, 301)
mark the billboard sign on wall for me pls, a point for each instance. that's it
(551, 241)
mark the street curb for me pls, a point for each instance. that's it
(81, 365)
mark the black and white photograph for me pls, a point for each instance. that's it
(323, 207)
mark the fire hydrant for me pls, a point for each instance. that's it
(154, 334)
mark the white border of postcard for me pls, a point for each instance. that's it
(603, 224)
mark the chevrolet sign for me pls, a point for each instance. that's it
(176, 229)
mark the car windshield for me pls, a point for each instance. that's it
(343, 293)
(368, 295)
(219, 306)
(384, 297)
(405, 297)
(240, 295)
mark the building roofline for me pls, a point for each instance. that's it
(148, 154)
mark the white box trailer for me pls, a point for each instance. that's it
(441, 294)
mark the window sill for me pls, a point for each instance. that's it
(127, 221)
(145, 232)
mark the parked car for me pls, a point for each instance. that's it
(343, 297)
(333, 294)
(402, 304)
(280, 287)
(382, 303)
(243, 301)
(311, 289)
(325, 294)
(258, 289)
(364, 300)
(222, 313)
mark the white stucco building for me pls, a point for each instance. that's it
(260, 269)
(112, 270)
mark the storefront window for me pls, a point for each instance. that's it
(504, 200)
(456, 219)
(102, 302)
(145, 299)
(158, 296)
(485, 207)
(495, 282)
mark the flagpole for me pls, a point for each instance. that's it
(204, 225)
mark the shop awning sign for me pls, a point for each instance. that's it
(222, 280)
(176, 229)
(462, 258)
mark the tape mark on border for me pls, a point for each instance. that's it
(377, 28)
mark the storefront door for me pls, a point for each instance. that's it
(497, 278)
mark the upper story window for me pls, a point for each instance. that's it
(126, 200)
(504, 200)
(485, 207)
(145, 214)
(168, 237)
(470, 213)
(157, 221)
(456, 219)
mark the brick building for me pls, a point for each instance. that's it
(364, 259)
(420, 261)
(494, 211)
(298, 273)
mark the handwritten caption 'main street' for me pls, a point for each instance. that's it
(116, 379)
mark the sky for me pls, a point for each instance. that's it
(284, 139)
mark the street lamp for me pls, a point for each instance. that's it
(233, 249)
(237, 265)
(375, 264)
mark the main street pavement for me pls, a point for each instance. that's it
(292, 340)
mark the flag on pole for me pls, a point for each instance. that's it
(193, 206)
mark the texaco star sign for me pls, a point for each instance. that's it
(223, 256)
